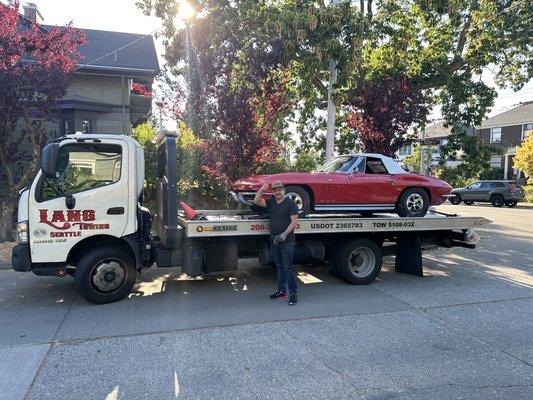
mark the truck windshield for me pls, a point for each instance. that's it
(343, 164)
(82, 167)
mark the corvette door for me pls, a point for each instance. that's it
(372, 186)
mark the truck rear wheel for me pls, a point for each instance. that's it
(105, 275)
(358, 261)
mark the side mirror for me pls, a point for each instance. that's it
(49, 159)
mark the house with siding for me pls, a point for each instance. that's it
(505, 132)
(101, 96)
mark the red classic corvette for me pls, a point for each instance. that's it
(356, 182)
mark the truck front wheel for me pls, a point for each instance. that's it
(105, 275)
(358, 261)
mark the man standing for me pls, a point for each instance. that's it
(283, 219)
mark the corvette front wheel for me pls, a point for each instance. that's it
(300, 196)
(413, 202)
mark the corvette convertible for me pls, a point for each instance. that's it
(363, 183)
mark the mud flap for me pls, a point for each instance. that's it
(409, 256)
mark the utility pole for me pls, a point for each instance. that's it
(422, 171)
(330, 132)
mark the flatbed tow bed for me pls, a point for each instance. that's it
(103, 237)
(353, 245)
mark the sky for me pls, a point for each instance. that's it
(124, 16)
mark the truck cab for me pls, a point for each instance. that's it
(85, 196)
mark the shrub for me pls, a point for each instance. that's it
(492, 173)
(453, 176)
(529, 193)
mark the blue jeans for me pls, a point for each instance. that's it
(282, 253)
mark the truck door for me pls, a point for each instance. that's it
(88, 197)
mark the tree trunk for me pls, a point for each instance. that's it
(7, 209)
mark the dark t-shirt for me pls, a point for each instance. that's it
(280, 216)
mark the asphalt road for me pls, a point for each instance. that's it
(464, 331)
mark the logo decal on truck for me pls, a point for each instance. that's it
(61, 220)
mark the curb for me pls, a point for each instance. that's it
(5, 265)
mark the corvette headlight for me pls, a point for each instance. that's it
(22, 232)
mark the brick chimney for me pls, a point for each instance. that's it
(32, 13)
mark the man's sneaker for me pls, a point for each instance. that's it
(278, 295)
(293, 300)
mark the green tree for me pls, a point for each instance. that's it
(431, 52)
(524, 157)
(471, 151)
(307, 161)
(145, 134)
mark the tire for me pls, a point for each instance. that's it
(511, 204)
(497, 200)
(105, 275)
(469, 202)
(358, 261)
(456, 200)
(413, 202)
(300, 196)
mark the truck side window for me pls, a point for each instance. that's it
(82, 167)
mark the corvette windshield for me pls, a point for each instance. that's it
(341, 164)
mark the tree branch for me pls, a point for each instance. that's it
(7, 171)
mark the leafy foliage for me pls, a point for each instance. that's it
(454, 176)
(395, 60)
(413, 161)
(307, 161)
(384, 110)
(471, 151)
(524, 157)
(237, 88)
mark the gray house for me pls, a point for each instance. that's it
(101, 98)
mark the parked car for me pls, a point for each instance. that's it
(355, 182)
(496, 192)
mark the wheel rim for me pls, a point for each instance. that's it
(414, 203)
(362, 262)
(108, 275)
(297, 199)
(498, 201)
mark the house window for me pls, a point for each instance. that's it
(86, 126)
(496, 161)
(496, 135)
(526, 130)
(405, 150)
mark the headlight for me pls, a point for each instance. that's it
(22, 232)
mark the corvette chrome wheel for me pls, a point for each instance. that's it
(297, 199)
(414, 203)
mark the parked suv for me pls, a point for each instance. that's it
(496, 192)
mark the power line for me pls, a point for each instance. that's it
(122, 47)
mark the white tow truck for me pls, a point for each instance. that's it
(82, 216)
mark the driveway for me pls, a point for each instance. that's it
(464, 331)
